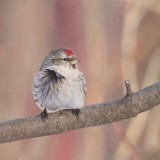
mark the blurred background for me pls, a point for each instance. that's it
(115, 40)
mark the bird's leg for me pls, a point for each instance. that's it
(44, 115)
(75, 112)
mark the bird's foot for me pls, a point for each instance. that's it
(44, 115)
(75, 112)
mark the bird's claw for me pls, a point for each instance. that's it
(44, 115)
(76, 112)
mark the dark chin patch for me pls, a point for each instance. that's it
(73, 66)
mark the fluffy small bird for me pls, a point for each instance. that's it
(58, 84)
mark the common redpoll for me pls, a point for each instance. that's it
(58, 84)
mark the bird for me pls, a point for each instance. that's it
(59, 84)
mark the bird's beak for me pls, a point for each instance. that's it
(74, 61)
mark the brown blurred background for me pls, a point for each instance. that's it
(115, 40)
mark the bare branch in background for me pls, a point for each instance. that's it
(98, 114)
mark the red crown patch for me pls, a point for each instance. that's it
(68, 52)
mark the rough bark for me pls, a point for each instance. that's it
(97, 114)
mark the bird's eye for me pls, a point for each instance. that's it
(65, 59)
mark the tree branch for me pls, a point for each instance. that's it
(98, 114)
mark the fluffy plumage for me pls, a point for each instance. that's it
(59, 84)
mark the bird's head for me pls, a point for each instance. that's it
(61, 57)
